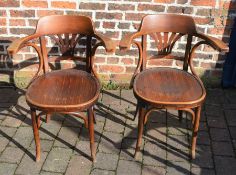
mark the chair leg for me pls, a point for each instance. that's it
(38, 120)
(94, 116)
(36, 133)
(136, 111)
(91, 132)
(48, 117)
(140, 130)
(195, 130)
(180, 114)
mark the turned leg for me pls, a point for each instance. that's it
(180, 114)
(195, 130)
(94, 116)
(48, 117)
(140, 130)
(36, 133)
(38, 120)
(91, 132)
(136, 111)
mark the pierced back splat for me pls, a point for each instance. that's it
(165, 41)
(66, 42)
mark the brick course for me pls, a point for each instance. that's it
(117, 18)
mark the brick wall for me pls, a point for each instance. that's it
(114, 18)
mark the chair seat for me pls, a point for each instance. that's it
(63, 90)
(168, 86)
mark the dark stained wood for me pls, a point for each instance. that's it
(91, 132)
(140, 130)
(67, 91)
(36, 133)
(63, 90)
(166, 88)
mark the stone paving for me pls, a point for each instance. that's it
(65, 144)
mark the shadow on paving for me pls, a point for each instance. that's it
(166, 140)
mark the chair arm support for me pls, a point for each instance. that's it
(107, 43)
(213, 42)
(127, 40)
(16, 45)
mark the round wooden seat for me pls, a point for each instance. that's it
(62, 90)
(168, 86)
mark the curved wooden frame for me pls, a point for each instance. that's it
(165, 23)
(63, 26)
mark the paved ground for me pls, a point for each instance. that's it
(65, 145)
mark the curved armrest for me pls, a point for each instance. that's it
(17, 44)
(214, 42)
(126, 41)
(108, 43)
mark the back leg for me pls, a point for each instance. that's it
(36, 133)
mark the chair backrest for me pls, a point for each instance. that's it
(62, 24)
(166, 30)
(66, 31)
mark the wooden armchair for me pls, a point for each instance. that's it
(67, 91)
(164, 87)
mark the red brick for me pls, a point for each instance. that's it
(3, 21)
(41, 13)
(164, 1)
(182, 1)
(218, 31)
(111, 69)
(110, 25)
(174, 9)
(122, 7)
(9, 3)
(160, 62)
(17, 22)
(99, 60)
(138, 1)
(123, 25)
(92, 6)
(22, 13)
(3, 30)
(35, 3)
(148, 7)
(130, 69)
(19, 31)
(79, 13)
(203, 3)
(112, 34)
(228, 5)
(3, 13)
(112, 60)
(111, 16)
(62, 4)
(203, 21)
(187, 10)
(204, 12)
(127, 61)
(134, 16)
(208, 49)
(219, 12)
(33, 22)
(208, 65)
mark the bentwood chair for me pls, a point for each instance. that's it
(66, 91)
(165, 87)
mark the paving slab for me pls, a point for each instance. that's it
(65, 146)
